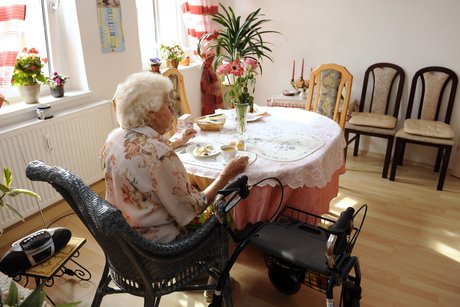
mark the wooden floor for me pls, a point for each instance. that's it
(409, 248)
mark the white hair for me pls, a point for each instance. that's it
(139, 94)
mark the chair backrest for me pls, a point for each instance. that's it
(387, 82)
(134, 261)
(329, 83)
(435, 95)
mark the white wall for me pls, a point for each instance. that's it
(105, 70)
(356, 34)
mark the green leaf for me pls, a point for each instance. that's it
(12, 209)
(13, 297)
(15, 192)
(7, 176)
(4, 188)
(36, 298)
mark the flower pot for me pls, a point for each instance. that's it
(57, 91)
(174, 63)
(155, 68)
(29, 93)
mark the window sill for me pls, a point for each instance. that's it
(21, 111)
(180, 67)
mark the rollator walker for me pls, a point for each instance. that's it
(299, 248)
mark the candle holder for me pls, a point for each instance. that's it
(301, 87)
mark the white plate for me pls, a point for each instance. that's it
(253, 117)
(194, 150)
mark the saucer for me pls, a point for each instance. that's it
(252, 156)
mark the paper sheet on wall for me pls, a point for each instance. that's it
(110, 29)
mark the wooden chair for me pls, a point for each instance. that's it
(378, 112)
(135, 265)
(436, 88)
(177, 96)
(329, 83)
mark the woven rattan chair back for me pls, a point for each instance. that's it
(136, 265)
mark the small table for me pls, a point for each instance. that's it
(56, 266)
(281, 100)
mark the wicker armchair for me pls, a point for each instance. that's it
(138, 266)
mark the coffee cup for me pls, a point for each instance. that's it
(228, 152)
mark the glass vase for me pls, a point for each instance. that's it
(241, 110)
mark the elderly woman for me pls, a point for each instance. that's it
(144, 177)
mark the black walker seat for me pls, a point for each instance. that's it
(304, 248)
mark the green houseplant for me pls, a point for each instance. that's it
(240, 44)
(56, 84)
(8, 191)
(28, 75)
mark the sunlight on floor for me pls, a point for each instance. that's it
(185, 301)
(345, 202)
(447, 251)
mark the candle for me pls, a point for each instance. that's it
(293, 70)
(301, 73)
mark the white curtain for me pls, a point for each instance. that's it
(12, 18)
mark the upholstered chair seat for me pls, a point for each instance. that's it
(434, 129)
(373, 120)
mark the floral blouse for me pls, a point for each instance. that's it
(146, 180)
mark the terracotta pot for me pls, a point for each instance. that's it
(29, 93)
(174, 63)
(57, 91)
(155, 68)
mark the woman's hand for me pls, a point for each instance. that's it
(234, 167)
(185, 136)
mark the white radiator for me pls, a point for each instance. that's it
(71, 140)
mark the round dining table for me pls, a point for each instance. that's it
(302, 149)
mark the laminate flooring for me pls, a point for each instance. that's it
(409, 248)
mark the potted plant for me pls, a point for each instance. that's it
(155, 64)
(56, 84)
(28, 75)
(172, 53)
(7, 190)
(236, 43)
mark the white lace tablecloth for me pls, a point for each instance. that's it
(299, 147)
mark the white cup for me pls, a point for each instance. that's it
(228, 152)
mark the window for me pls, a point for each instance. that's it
(159, 21)
(17, 34)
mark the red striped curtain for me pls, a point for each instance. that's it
(11, 22)
(198, 21)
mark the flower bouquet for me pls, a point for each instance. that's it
(56, 83)
(172, 53)
(240, 77)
